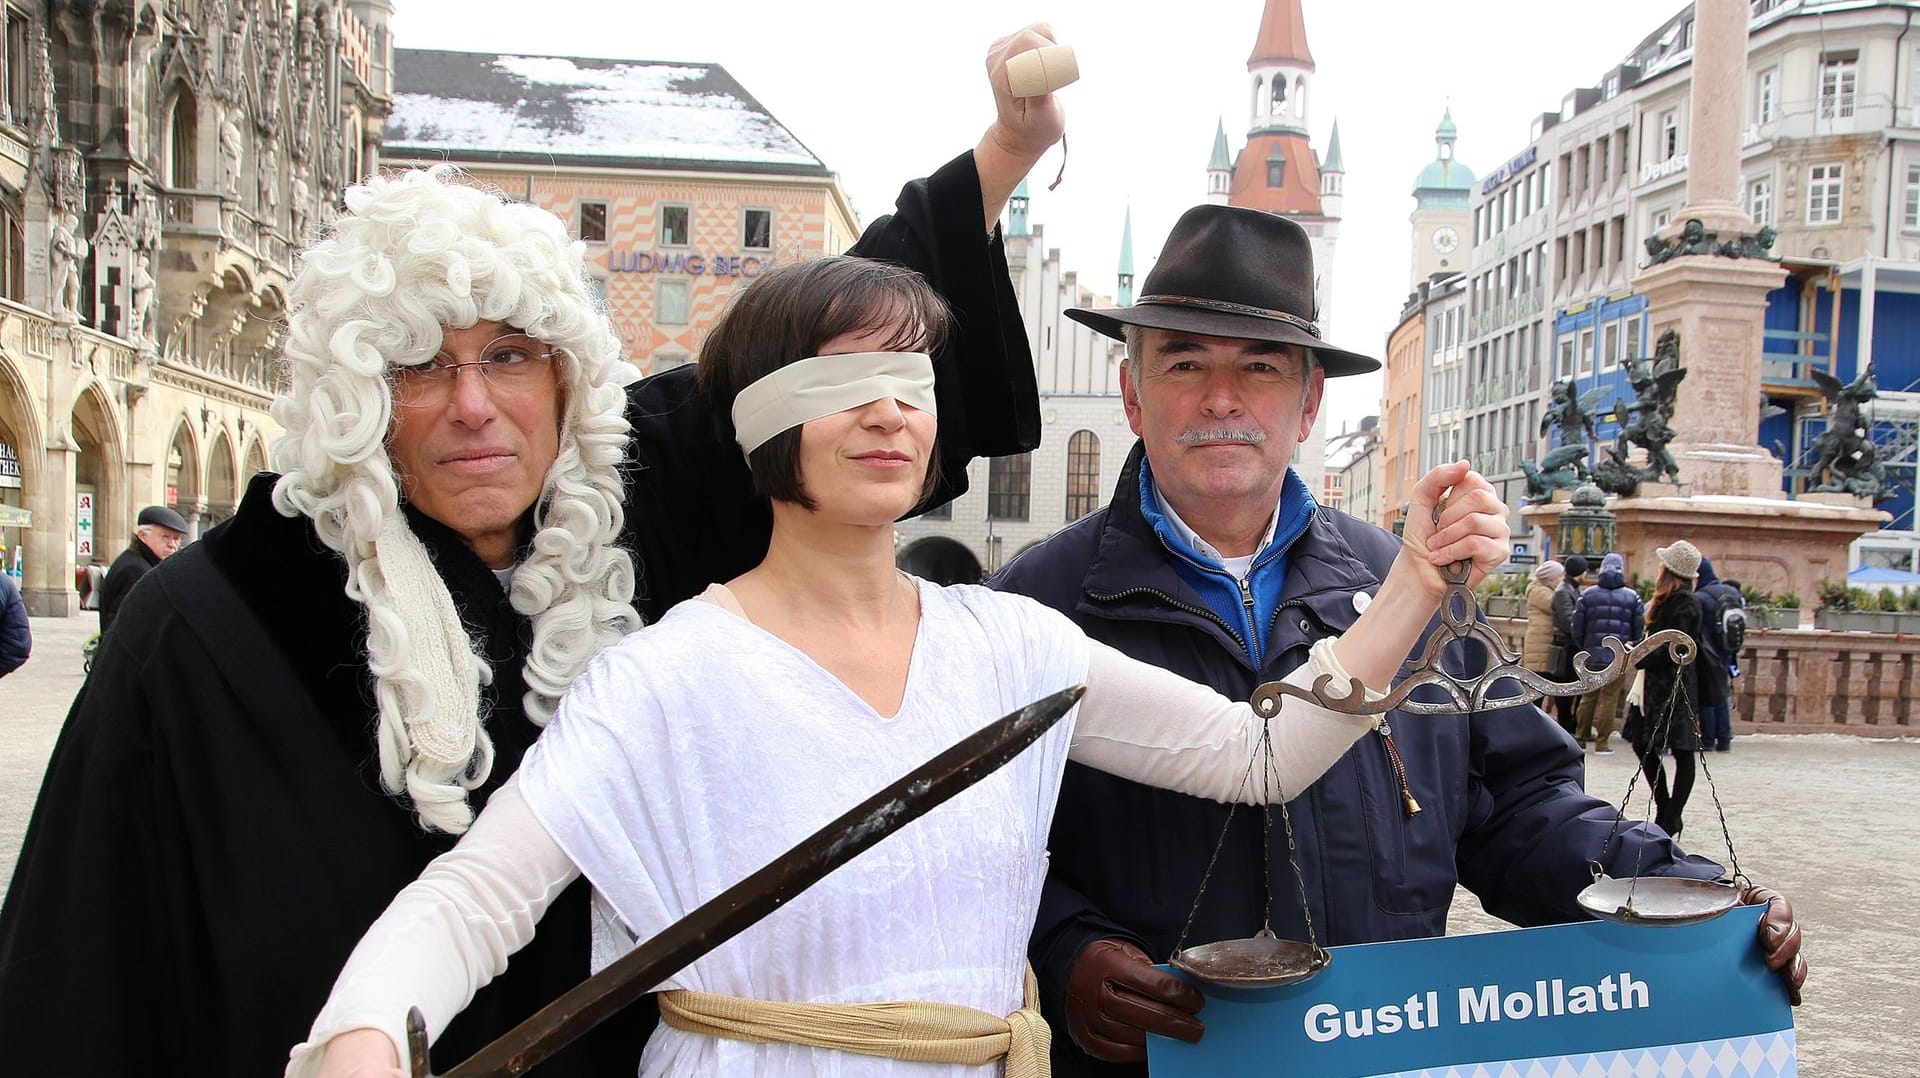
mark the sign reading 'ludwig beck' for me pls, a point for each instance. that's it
(720, 265)
(1571, 1001)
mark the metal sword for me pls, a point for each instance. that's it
(738, 907)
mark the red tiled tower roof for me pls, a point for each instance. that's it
(1299, 192)
(1283, 36)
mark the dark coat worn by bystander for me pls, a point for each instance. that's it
(1565, 597)
(1671, 698)
(1714, 666)
(126, 571)
(1502, 809)
(16, 633)
(211, 839)
(1609, 608)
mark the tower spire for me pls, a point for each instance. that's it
(1219, 167)
(1283, 36)
(1125, 294)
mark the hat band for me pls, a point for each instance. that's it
(1223, 306)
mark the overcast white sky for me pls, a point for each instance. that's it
(885, 91)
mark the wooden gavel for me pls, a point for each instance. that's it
(1042, 70)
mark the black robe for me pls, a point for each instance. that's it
(211, 839)
(690, 519)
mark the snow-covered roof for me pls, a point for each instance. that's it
(491, 107)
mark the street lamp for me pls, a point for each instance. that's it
(1587, 526)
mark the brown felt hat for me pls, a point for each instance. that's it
(1229, 271)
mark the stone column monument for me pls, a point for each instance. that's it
(1707, 278)
(1717, 303)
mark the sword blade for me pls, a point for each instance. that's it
(739, 907)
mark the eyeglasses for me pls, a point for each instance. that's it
(511, 363)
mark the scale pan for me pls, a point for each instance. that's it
(1658, 900)
(1263, 961)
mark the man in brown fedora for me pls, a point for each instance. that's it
(1213, 561)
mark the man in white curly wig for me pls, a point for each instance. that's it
(298, 712)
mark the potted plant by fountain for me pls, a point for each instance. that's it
(1506, 598)
(1767, 611)
(1786, 609)
(1847, 609)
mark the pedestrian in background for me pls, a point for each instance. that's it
(1564, 598)
(16, 635)
(1536, 647)
(1671, 718)
(157, 533)
(1609, 608)
(1723, 631)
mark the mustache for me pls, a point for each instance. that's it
(1200, 435)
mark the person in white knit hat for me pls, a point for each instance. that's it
(1670, 698)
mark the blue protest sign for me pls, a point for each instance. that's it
(1589, 1000)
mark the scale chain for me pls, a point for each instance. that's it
(1205, 877)
(1720, 810)
(1293, 861)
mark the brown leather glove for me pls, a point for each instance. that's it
(1115, 998)
(1779, 938)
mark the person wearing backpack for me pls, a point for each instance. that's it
(1609, 608)
(1723, 631)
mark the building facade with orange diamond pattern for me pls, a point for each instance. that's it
(681, 184)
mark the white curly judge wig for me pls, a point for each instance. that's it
(415, 251)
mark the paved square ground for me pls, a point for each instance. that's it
(1827, 821)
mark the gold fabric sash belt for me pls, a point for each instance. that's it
(912, 1032)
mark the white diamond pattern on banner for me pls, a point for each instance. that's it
(1767, 1056)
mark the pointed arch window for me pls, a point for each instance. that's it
(1300, 98)
(1083, 474)
(1279, 105)
(13, 255)
(183, 142)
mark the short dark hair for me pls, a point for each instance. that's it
(785, 316)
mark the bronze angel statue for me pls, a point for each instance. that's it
(1564, 467)
(1845, 452)
(1644, 423)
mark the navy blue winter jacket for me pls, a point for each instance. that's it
(16, 635)
(1501, 805)
(1609, 608)
(1714, 670)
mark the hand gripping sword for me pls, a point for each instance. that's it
(737, 908)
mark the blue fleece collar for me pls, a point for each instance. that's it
(1265, 581)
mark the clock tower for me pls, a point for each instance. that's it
(1442, 222)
